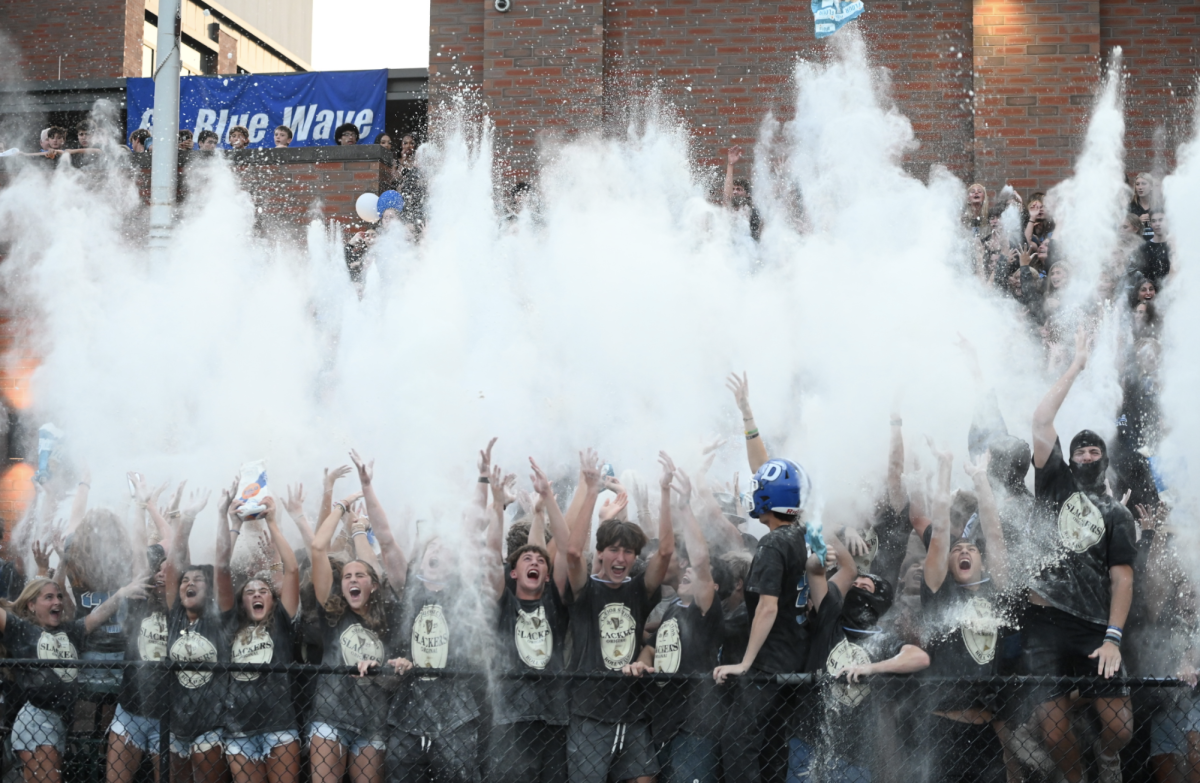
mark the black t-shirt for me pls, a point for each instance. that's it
(531, 636)
(847, 707)
(357, 704)
(434, 635)
(686, 643)
(891, 532)
(197, 697)
(963, 629)
(1154, 261)
(606, 631)
(108, 638)
(1138, 210)
(145, 690)
(259, 703)
(735, 635)
(778, 570)
(47, 689)
(1095, 532)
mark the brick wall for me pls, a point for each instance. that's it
(97, 39)
(455, 49)
(543, 71)
(724, 64)
(997, 90)
(1159, 40)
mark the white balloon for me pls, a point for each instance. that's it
(365, 206)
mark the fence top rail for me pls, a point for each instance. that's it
(912, 680)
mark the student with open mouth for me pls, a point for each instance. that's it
(196, 634)
(36, 625)
(355, 624)
(262, 738)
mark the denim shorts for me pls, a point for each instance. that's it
(142, 733)
(355, 743)
(259, 746)
(202, 744)
(35, 728)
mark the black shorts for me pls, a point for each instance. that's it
(1057, 644)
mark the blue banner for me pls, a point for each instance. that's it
(313, 105)
(830, 15)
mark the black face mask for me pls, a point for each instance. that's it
(1089, 476)
(862, 609)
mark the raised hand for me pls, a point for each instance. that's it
(197, 500)
(589, 468)
(683, 486)
(294, 503)
(365, 471)
(332, 476)
(854, 542)
(668, 473)
(1083, 347)
(741, 392)
(979, 467)
(41, 556)
(734, 154)
(485, 458)
(541, 484)
(613, 508)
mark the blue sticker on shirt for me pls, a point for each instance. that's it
(830, 15)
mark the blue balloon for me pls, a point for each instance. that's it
(389, 199)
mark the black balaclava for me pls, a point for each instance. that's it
(1090, 476)
(861, 609)
(1010, 462)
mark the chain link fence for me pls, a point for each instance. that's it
(71, 720)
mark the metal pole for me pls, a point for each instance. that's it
(164, 157)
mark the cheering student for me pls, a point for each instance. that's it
(283, 136)
(239, 137)
(528, 738)
(433, 723)
(33, 626)
(608, 610)
(1079, 603)
(754, 738)
(847, 640)
(262, 738)
(684, 714)
(963, 619)
(196, 633)
(355, 624)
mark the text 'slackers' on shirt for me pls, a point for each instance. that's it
(197, 697)
(531, 633)
(358, 704)
(606, 622)
(260, 703)
(1090, 534)
(48, 689)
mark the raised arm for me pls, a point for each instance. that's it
(331, 478)
(697, 547)
(989, 517)
(938, 555)
(581, 523)
(289, 593)
(177, 558)
(322, 572)
(138, 588)
(295, 508)
(485, 474)
(733, 156)
(756, 450)
(895, 475)
(360, 542)
(147, 500)
(847, 568)
(558, 526)
(225, 545)
(1044, 434)
(394, 561)
(79, 505)
(660, 561)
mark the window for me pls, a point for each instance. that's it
(147, 60)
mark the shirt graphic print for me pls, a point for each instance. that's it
(252, 645)
(534, 638)
(617, 631)
(192, 646)
(57, 646)
(430, 638)
(360, 644)
(668, 649)
(1080, 523)
(152, 637)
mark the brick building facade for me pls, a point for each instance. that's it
(996, 89)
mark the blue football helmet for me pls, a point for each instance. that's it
(780, 486)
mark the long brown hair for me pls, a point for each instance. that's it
(99, 553)
(374, 617)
